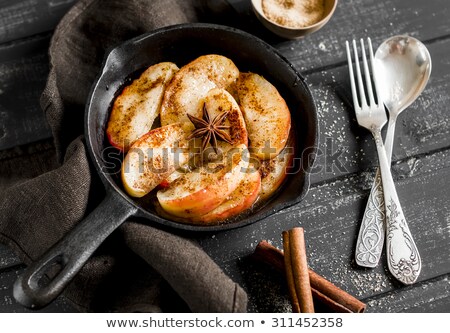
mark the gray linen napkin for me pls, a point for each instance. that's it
(138, 268)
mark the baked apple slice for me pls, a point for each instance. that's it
(219, 100)
(188, 88)
(273, 172)
(154, 157)
(266, 115)
(137, 107)
(171, 178)
(198, 192)
(241, 199)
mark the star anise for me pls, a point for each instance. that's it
(210, 130)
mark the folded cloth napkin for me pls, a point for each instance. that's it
(139, 267)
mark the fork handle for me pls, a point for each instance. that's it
(402, 254)
(370, 241)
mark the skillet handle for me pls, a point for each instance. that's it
(40, 284)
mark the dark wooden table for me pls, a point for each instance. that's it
(332, 211)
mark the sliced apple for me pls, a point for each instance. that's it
(241, 199)
(199, 192)
(137, 107)
(153, 157)
(273, 172)
(190, 85)
(219, 100)
(266, 114)
(171, 178)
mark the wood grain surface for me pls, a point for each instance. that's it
(24, 18)
(333, 208)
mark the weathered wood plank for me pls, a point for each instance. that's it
(9, 305)
(22, 18)
(331, 214)
(23, 73)
(429, 296)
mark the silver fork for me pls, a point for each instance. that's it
(402, 254)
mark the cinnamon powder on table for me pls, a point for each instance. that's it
(294, 13)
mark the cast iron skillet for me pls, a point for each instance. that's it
(179, 44)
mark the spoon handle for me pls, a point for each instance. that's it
(402, 255)
(370, 241)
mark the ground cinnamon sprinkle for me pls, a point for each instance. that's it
(294, 13)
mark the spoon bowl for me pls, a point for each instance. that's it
(403, 68)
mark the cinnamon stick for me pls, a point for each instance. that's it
(290, 274)
(296, 268)
(323, 291)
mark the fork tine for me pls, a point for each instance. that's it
(372, 66)
(362, 96)
(366, 71)
(352, 77)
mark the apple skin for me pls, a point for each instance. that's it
(138, 105)
(112, 141)
(172, 177)
(241, 199)
(199, 192)
(266, 114)
(154, 157)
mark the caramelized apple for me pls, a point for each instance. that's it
(274, 171)
(188, 88)
(190, 184)
(266, 115)
(137, 107)
(219, 100)
(198, 192)
(241, 199)
(154, 157)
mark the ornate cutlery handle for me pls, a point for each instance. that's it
(402, 254)
(370, 241)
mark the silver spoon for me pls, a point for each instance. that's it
(403, 67)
